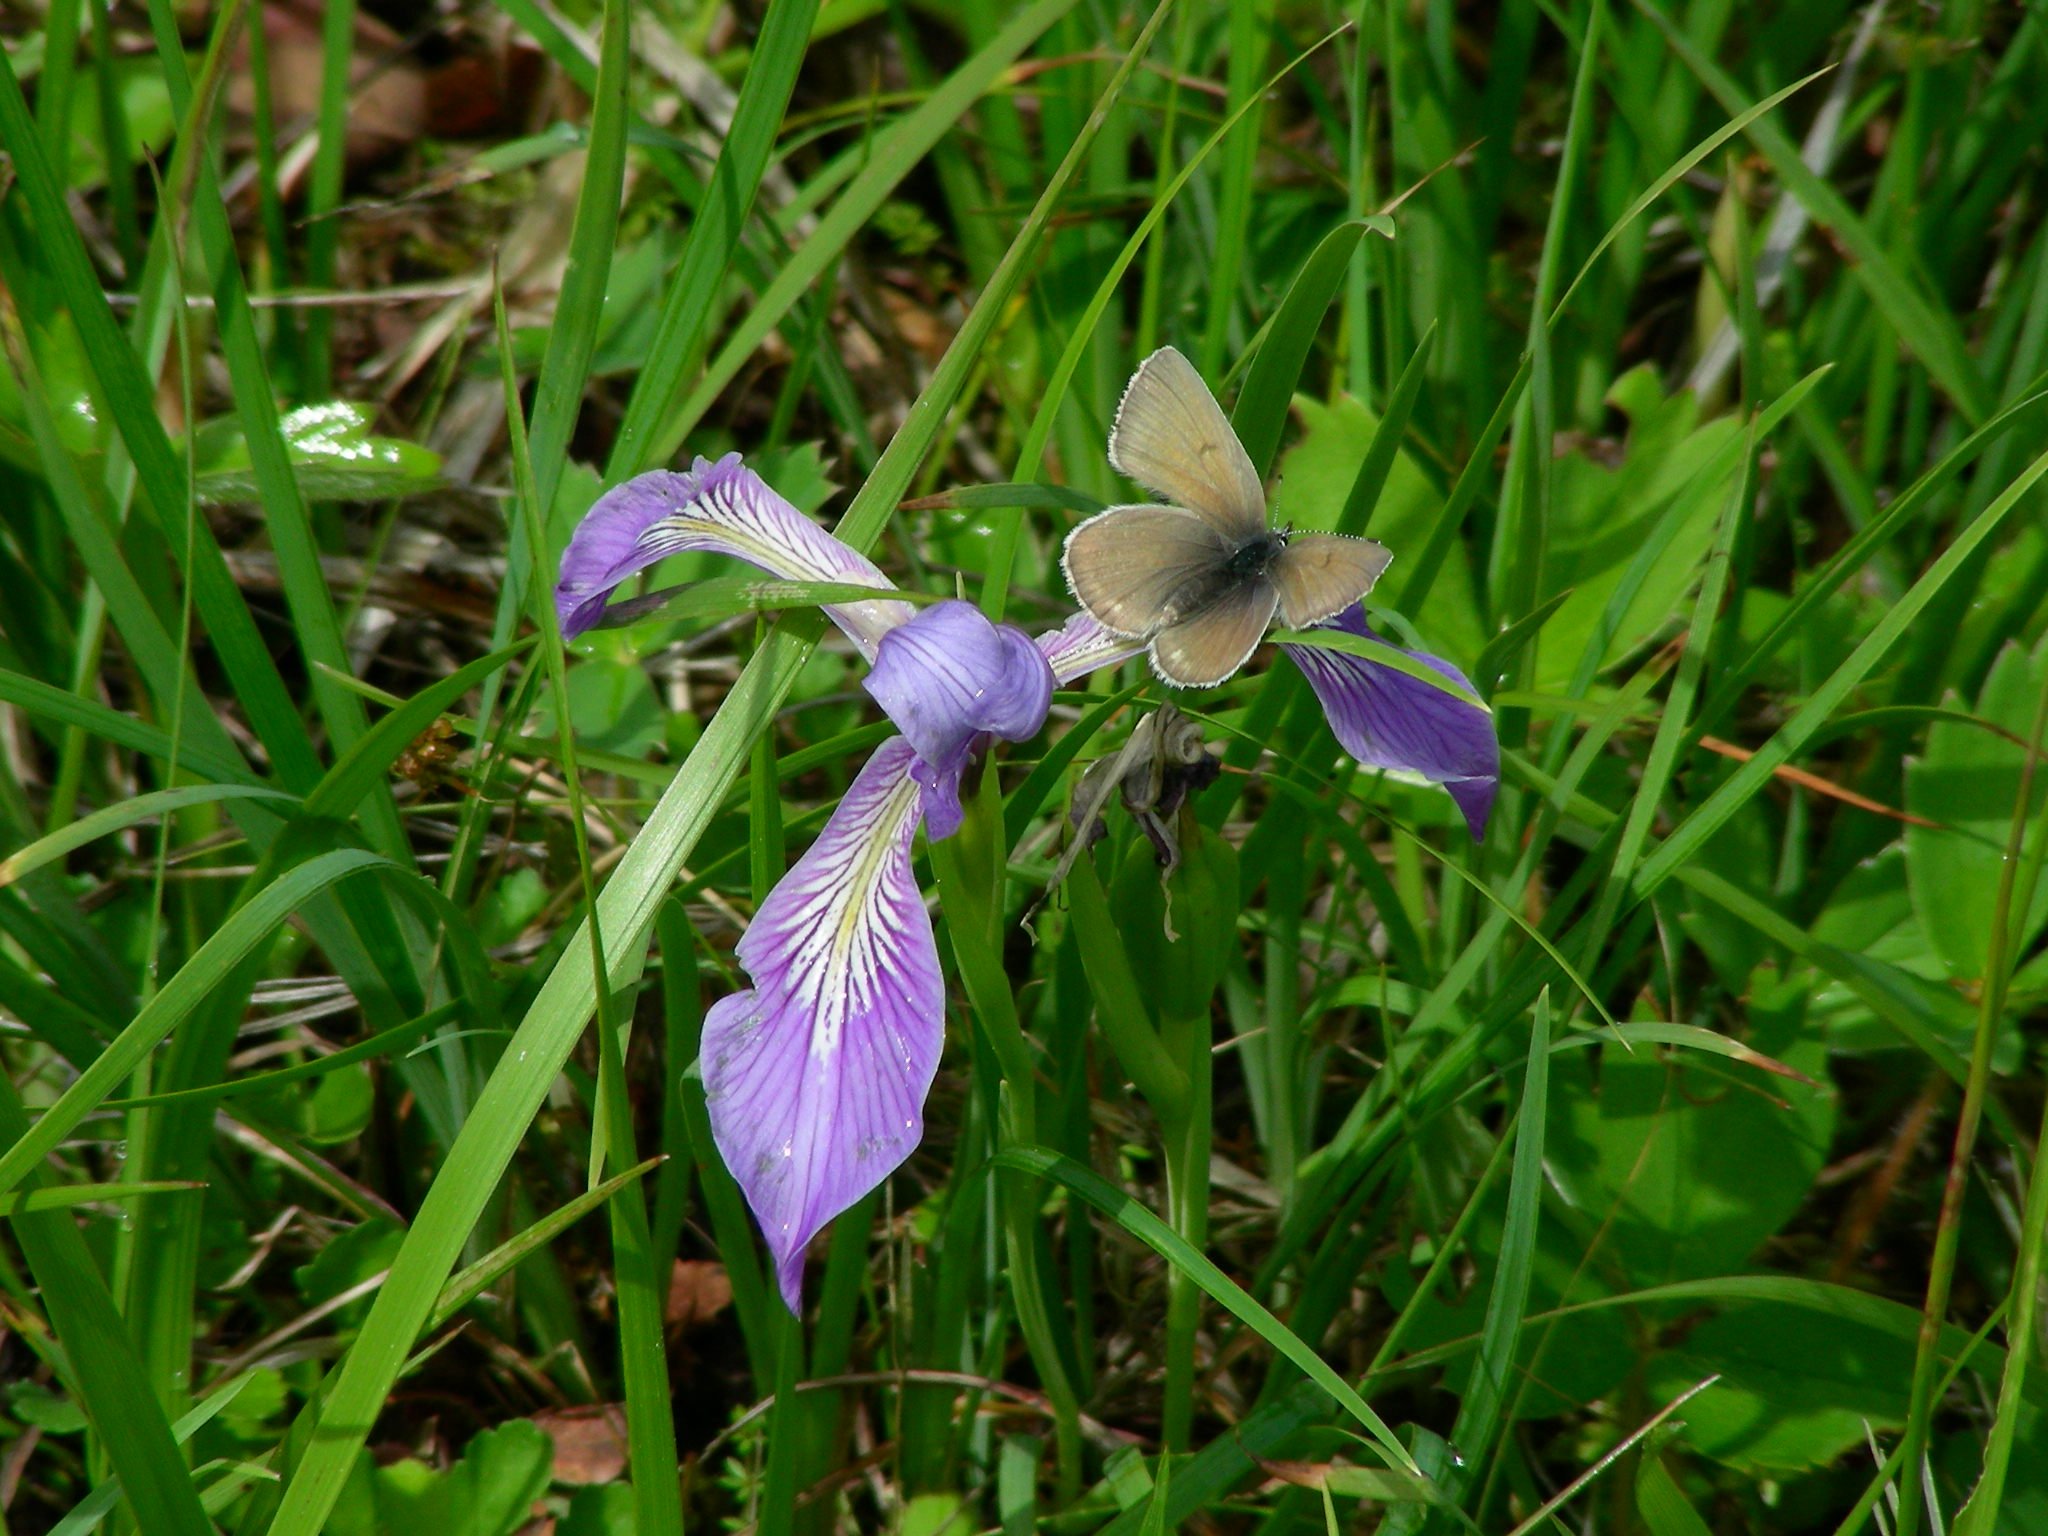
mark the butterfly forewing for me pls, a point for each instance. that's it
(1321, 574)
(1129, 565)
(1173, 438)
(1202, 650)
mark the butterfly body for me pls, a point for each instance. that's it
(1201, 579)
(1255, 557)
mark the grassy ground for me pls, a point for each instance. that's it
(1666, 1162)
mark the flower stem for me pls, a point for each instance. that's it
(969, 868)
(1153, 1069)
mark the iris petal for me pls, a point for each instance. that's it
(947, 677)
(724, 508)
(1389, 720)
(816, 1077)
(1082, 645)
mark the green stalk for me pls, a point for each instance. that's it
(969, 869)
(1998, 966)
(1153, 1068)
(323, 231)
(1287, 893)
(1186, 1129)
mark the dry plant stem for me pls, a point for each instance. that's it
(1572, 1489)
(1991, 1006)
(1870, 1200)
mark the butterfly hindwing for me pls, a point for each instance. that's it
(1129, 565)
(1320, 574)
(1203, 649)
(1173, 438)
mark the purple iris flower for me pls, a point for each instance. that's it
(1415, 732)
(816, 1075)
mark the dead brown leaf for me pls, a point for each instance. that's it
(590, 1442)
(698, 1290)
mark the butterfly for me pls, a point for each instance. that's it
(1200, 580)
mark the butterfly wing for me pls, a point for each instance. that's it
(1320, 574)
(1134, 568)
(1203, 649)
(1173, 438)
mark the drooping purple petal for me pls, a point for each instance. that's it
(1389, 720)
(1082, 645)
(816, 1078)
(724, 508)
(947, 677)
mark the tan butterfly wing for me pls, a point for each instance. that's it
(1202, 650)
(1173, 438)
(1320, 574)
(1129, 565)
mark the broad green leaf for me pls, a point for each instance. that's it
(1796, 1389)
(1662, 1503)
(333, 455)
(1316, 476)
(1688, 1167)
(1969, 781)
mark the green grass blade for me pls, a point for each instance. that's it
(1249, 30)
(473, 1280)
(1134, 1218)
(579, 309)
(1899, 516)
(315, 623)
(185, 991)
(1481, 1406)
(1387, 437)
(59, 706)
(129, 400)
(1686, 840)
(1275, 372)
(323, 196)
(743, 157)
(113, 818)
(109, 1379)
(1080, 337)
(63, 1197)
(1929, 331)
(379, 1044)
(572, 339)
(1677, 713)
(642, 1288)
(895, 153)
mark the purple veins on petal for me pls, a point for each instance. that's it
(723, 508)
(816, 1077)
(947, 677)
(1391, 721)
(1081, 646)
